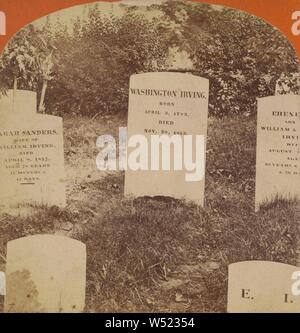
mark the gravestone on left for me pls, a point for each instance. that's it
(31, 157)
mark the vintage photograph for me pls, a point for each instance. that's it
(79, 233)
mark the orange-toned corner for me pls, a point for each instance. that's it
(277, 12)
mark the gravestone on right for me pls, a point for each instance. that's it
(261, 286)
(277, 149)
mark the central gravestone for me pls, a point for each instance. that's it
(31, 157)
(278, 147)
(45, 274)
(169, 104)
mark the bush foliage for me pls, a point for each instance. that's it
(241, 55)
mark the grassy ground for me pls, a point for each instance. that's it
(163, 255)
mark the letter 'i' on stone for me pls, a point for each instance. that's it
(278, 149)
(167, 104)
(45, 274)
(261, 286)
(31, 154)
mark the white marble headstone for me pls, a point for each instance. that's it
(45, 273)
(169, 104)
(261, 286)
(31, 160)
(23, 101)
(278, 149)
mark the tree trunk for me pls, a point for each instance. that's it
(41, 106)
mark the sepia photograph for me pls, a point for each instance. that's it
(149, 161)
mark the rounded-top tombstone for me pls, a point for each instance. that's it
(24, 101)
(261, 287)
(45, 273)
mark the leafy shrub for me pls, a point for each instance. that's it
(242, 56)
